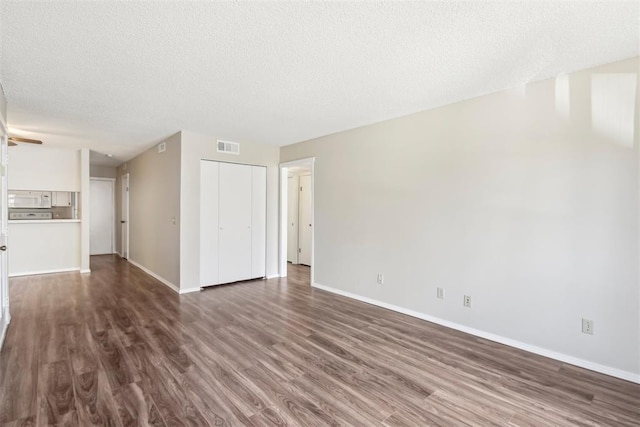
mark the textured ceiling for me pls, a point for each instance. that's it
(117, 77)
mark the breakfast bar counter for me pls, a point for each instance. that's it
(43, 246)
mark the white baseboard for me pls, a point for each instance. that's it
(189, 290)
(275, 276)
(603, 369)
(88, 270)
(155, 276)
(35, 273)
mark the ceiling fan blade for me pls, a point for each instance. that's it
(12, 144)
(27, 140)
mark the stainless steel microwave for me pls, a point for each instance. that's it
(29, 199)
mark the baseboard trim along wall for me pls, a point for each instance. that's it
(164, 281)
(155, 276)
(628, 376)
(36, 273)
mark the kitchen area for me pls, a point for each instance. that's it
(45, 221)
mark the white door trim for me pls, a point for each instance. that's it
(284, 184)
(5, 313)
(113, 198)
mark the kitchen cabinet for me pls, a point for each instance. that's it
(60, 198)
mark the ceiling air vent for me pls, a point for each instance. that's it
(228, 147)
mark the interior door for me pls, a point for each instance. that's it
(102, 221)
(304, 236)
(209, 186)
(234, 222)
(125, 216)
(4, 270)
(292, 224)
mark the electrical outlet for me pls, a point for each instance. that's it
(380, 278)
(587, 326)
(467, 301)
(440, 293)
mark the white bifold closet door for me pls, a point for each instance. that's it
(209, 187)
(258, 221)
(232, 222)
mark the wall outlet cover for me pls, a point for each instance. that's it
(467, 301)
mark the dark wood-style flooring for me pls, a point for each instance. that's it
(116, 347)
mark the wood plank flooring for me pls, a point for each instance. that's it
(118, 348)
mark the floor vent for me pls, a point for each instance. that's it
(228, 147)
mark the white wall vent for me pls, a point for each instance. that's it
(228, 147)
(162, 147)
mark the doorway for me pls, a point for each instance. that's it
(297, 220)
(102, 227)
(124, 221)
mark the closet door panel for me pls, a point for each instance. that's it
(258, 221)
(208, 223)
(235, 222)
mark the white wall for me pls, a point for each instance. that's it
(38, 167)
(43, 247)
(194, 148)
(85, 211)
(99, 171)
(3, 104)
(524, 200)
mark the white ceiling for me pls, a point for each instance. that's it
(118, 77)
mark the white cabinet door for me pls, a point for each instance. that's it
(258, 221)
(304, 236)
(61, 198)
(292, 224)
(209, 223)
(234, 222)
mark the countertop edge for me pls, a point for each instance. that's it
(43, 221)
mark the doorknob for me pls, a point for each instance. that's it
(123, 222)
(3, 248)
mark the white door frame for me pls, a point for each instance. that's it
(5, 314)
(284, 189)
(113, 199)
(125, 228)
